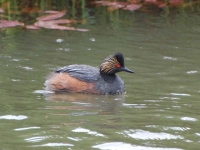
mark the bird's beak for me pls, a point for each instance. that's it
(127, 70)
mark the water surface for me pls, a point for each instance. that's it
(160, 110)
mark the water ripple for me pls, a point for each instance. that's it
(36, 139)
(134, 105)
(54, 144)
(26, 68)
(13, 117)
(169, 58)
(197, 134)
(188, 119)
(74, 139)
(177, 128)
(192, 72)
(87, 131)
(15, 80)
(170, 128)
(146, 135)
(171, 98)
(180, 94)
(59, 40)
(126, 146)
(27, 128)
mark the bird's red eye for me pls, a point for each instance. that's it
(118, 65)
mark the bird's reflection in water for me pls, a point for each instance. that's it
(105, 104)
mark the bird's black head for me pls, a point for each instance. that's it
(114, 64)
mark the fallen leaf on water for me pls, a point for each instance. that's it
(151, 1)
(43, 24)
(118, 4)
(160, 4)
(103, 3)
(51, 11)
(8, 23)
(130, 5)
(50, 23)
(61, 21)
(112, 6)
(52, 16)
(107, 3)
(133, 7)
(33, 27)
(83, 30)
(54, 24)
(134, 1)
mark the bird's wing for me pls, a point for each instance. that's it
(82, 72)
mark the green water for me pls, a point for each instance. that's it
(160, 109)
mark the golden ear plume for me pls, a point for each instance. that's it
(109, 65)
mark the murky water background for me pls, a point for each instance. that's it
(160, 110)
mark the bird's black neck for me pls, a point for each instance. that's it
(108, 77)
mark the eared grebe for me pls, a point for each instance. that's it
(88, 79)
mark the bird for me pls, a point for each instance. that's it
(80, 78)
